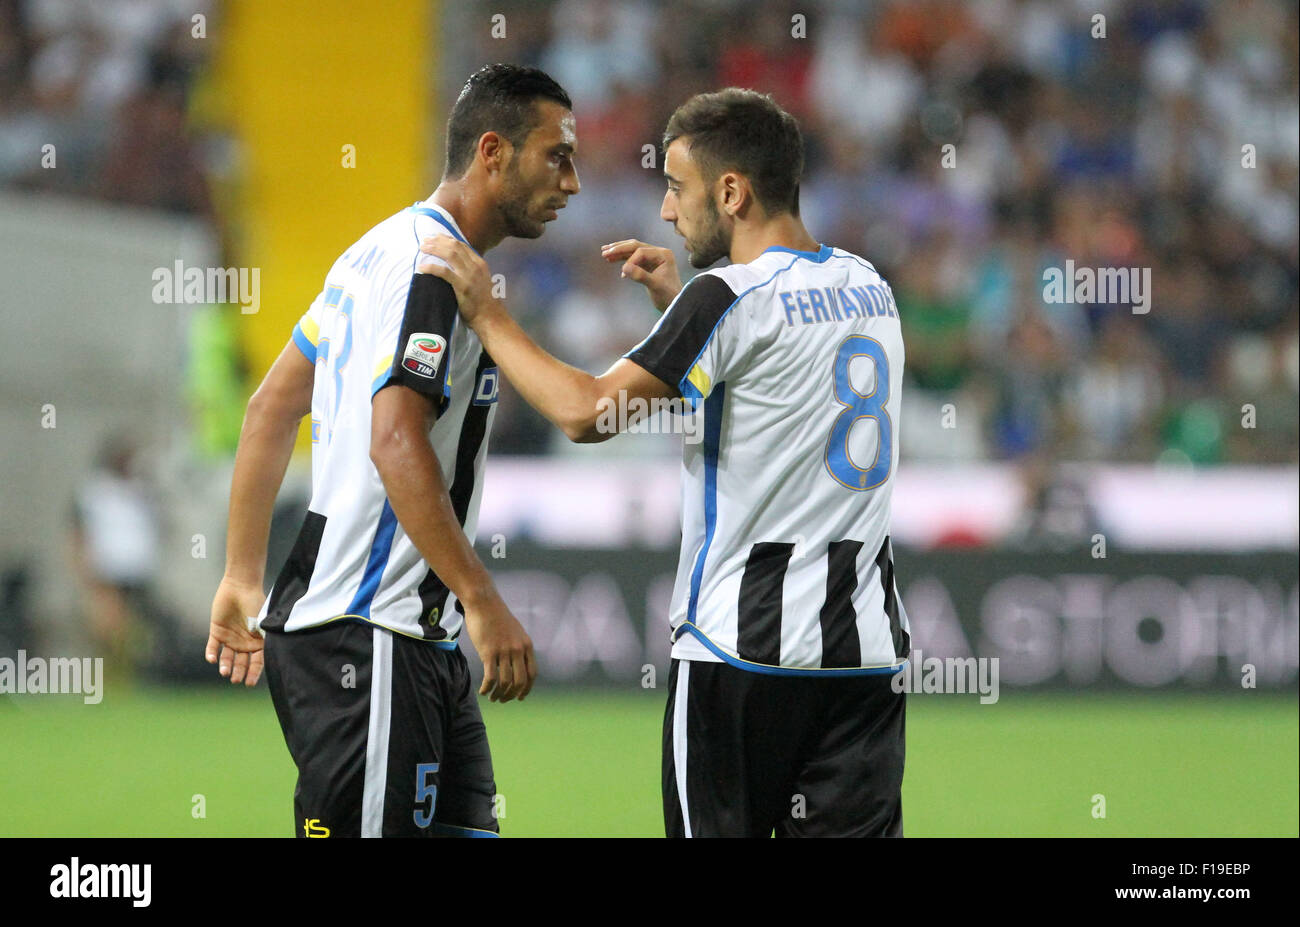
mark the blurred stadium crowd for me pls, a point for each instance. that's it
(1122, 151)
(110, 85)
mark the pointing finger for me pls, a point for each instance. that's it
(619, 249)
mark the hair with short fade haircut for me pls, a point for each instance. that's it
(497, 98)
(744, 131)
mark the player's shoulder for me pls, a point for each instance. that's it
(731, 283)
(829, 266)
(425, 220)
(385, 258)
(826, 259)
(849, 258)
(773, 266)
(720, 289)
(711, 290)
(744, 279)
(737, 283)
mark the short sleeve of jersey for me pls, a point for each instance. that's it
(414, 340)
(306, 334)
(690, 349)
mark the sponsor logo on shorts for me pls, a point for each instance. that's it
(423, 355)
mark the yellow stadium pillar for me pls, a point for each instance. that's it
(330, 103)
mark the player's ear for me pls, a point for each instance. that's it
(734, 193)
(494, 150)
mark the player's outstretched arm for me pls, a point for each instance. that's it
(653, 267)
(408, 466)
(573, 400)
(265, 446)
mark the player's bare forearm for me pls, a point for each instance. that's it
(265, 448)
(571, 399)
(567, 397)
(413, 481)
(412, 477)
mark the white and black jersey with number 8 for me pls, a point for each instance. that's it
(796, 359)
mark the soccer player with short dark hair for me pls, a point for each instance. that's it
(360, 627)
(786, 619)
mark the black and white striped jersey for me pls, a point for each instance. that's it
(377, 323)
(796, 359)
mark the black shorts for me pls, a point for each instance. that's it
(385, 731)
(746, 754)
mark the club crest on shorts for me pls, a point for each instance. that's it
(423, 355)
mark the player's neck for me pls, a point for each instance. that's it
(473, 213)
(784, 231)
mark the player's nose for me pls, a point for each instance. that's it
(666, 211)
(570, 184)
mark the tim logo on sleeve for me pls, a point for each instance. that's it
(424, 353)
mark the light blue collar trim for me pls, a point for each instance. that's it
(821, 255)
(439, 215)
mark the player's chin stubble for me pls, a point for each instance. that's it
(713, 244)
(517, 221)
(514, 208)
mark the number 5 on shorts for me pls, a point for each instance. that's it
(425, 789)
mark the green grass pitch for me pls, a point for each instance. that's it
(587, 763)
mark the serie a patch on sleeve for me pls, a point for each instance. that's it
(423, 354)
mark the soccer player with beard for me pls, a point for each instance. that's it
(360, 628)
(786, 620)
